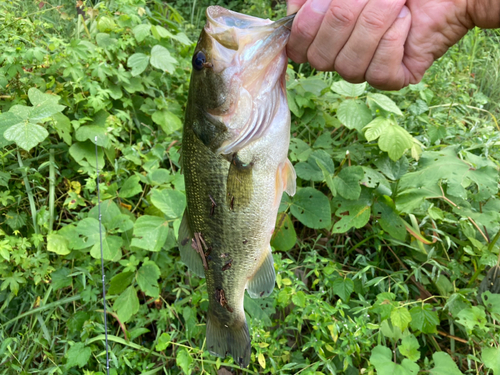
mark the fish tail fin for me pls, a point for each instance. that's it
(232, 339)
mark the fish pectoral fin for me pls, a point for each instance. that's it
(189, 256)
(233, 339)
(289, 178)
(262, 283)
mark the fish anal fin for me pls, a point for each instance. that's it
(234, 339)
(189, 255)
(262, 283)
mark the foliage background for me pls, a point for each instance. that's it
(386, 258)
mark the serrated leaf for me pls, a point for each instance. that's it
(385, 103)
(57, 244)
(170, 202)
(130, 187)
(347, 182)
(150, 233)
(423, 319)
(444, 365)
(120, 282)
(138, 62)
(312, 208)
(395, 141)
(147, 279)
(354, 114)
(350, 90)
(409, 348)
(161, 59)
(491, 359)
(127, 304)
(78, 355)
(26, 135)
(343, 288)
(167, 120)
(400, 317)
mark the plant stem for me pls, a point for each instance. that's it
(52, 189)
(28, 192)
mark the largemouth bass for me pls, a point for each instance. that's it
(234, 157)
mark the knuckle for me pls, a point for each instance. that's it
(340, 16)
(374, 21)
(392, 36)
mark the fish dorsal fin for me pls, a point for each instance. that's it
(189, 256)
(289, 178)
(262, 283)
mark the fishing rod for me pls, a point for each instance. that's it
(102, 260)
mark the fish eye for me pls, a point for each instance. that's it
(199, 60)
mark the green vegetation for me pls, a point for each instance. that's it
(387, 258)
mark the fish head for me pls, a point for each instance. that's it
(238, 59)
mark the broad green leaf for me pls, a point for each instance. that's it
(395, 141)
(21, 111)
(299, 150)
(352, 213)
(351, 90)
(491, 359)
(471, 317)
(381, 358)
(84, 154)
(78, 355)
(376, 127)
(88, 229)
(347, 182)
(400, 317)
(389, 330)
(384, 103)
(254, 308)
(444, 365)
(130, 187)
(161, 59)
(4, 179)
(343, 288)
(147, 279)
(7, 120)
(394, 170)
(163, 342)
(90, 132)
(120, 282)
(138, 62)
(127, 304)
(120, 223)
(142, 31)
(45, 109)
(150, 233)
(182, 38)
(109, 211)
(424, 319)
(312, 208)
(37, 97)
(299, 299)
(167, 120)
(310, 170)
(15, 220)
(104, 40)
(63, 127)
(184, 361)
(491, 302)
(170, 202)
(389, 220)
(284, 236)
(57, 244)
(409, 348)
(354, 114)
(111, 248)
(26, 135)
(60, 278)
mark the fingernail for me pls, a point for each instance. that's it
(404, 12)
(320, 6)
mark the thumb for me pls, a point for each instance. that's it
(292, 6)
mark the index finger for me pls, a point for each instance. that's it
(292, 6)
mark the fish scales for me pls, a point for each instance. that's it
(234, 156)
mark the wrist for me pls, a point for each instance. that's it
(484, 13)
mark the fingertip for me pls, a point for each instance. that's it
(292, 6)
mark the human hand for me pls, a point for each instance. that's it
(388, 43)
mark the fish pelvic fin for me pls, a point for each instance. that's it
(189, 256)
(289, 178)
(262, 283)
(223, 339)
